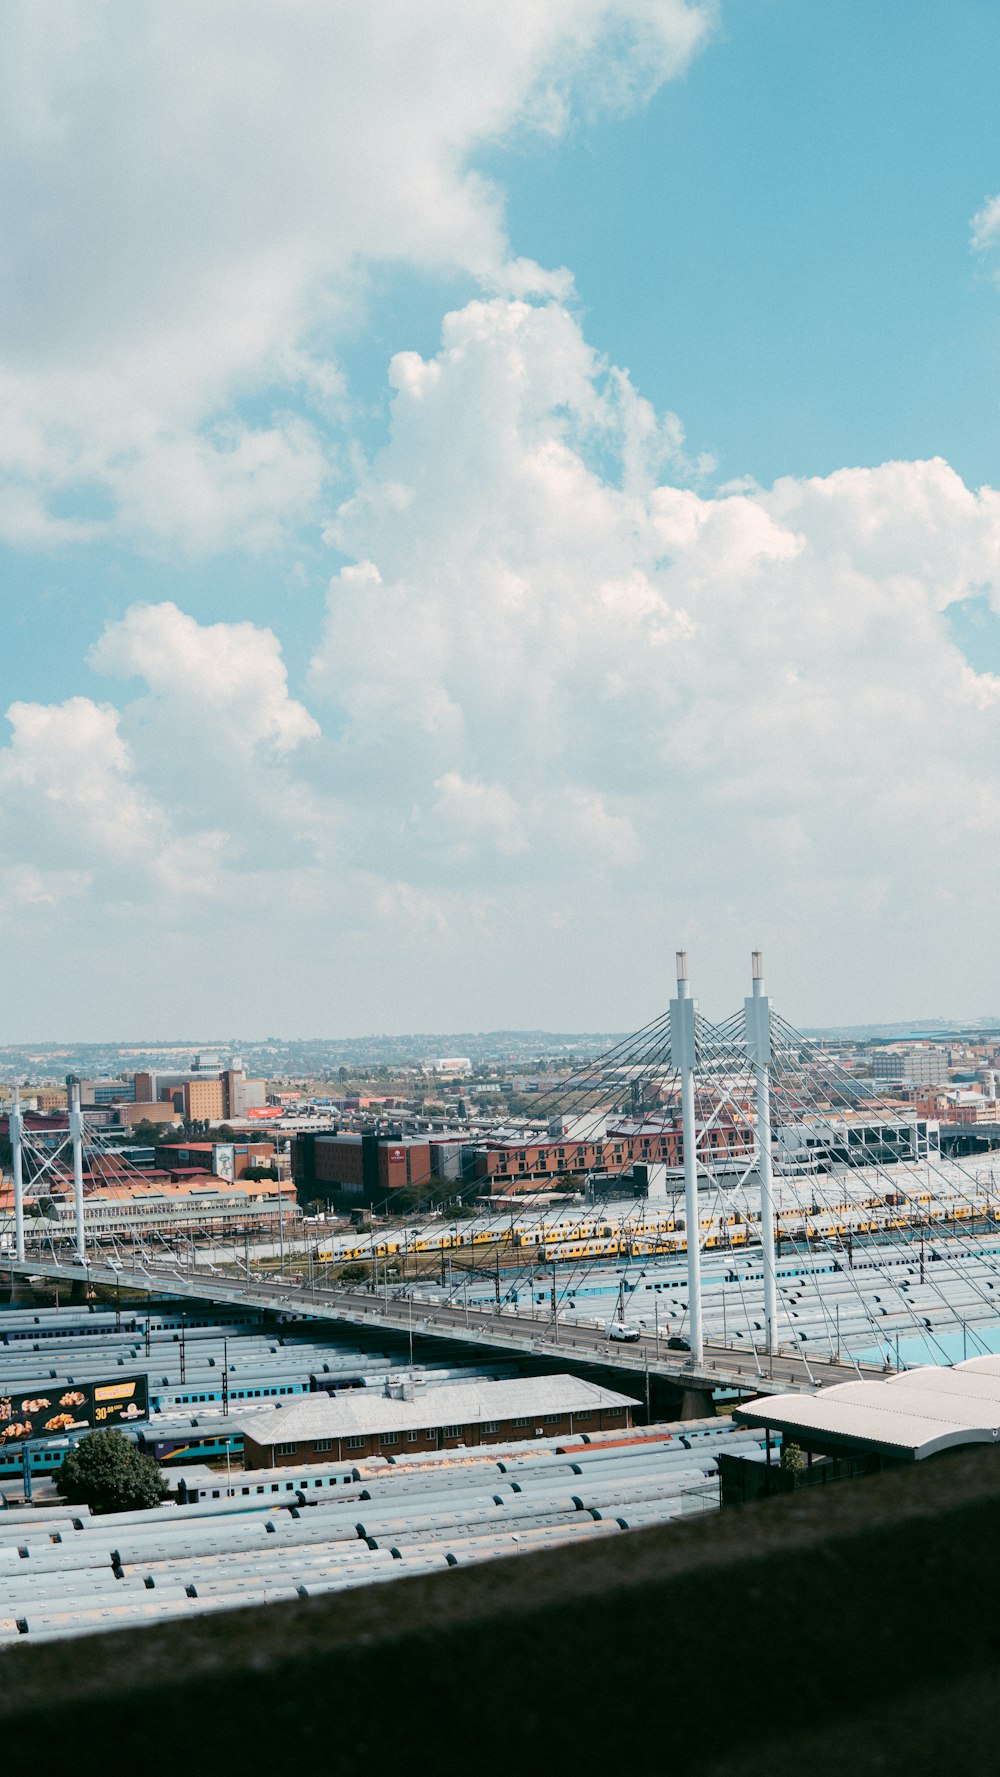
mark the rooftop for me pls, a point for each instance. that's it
(912, 1416)
(361, 1412)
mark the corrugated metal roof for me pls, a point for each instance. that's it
(914, 1414)
(362, 1412)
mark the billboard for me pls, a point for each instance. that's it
(224, 1161)
(51, 1411)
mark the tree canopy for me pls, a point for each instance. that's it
(109, 1474)
(151, 1134)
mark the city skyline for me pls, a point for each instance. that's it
(490, 498)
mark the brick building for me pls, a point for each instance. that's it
(359, 1168)
(230, 1160)
(524, 1165)
(359, 1423)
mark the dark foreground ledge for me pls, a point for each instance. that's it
(849, 1629)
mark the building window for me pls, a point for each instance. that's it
(286, 1449)
(389, 1437)
(554, 1418)
(520, 1422)
(412, 1436)
(354, 1443)
(452, 1431)
(613, 1412)
(323, 1444)
(488, 1426)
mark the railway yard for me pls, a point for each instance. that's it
(254, 1537)
(233, 1536)
(872, 1264)
(867, 1274)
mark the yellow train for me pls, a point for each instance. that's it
(647, 1236)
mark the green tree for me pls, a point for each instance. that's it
(356, 1274)
(152, 1134)
(109, 1474)
(792, 1459)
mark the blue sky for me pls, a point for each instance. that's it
(777, 245)
(353, 564)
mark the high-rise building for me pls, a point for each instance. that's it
(204, 1101)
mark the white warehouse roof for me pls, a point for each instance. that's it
(360, 1412)
(912, 1415)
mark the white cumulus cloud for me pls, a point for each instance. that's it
(191, 197)
(749, 704)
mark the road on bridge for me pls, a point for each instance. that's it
(722, 1365)
(540, 1336)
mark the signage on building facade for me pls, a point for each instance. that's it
(224, 1161)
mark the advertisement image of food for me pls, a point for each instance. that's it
(59, 1422)
(41, 1414)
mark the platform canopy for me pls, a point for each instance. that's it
(910, 1416)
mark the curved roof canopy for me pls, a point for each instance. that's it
(912, 1416)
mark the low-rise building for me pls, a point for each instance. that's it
(356, 1423)
(226, 1159)
(196, 1204)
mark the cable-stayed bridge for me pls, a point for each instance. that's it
(797, 1228)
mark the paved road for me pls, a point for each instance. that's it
(722, 1366)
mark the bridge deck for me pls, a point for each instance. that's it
(503, 1330)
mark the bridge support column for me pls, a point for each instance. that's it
(15, 1289)
(697, 1403)
(757, 1016)
(683, 1055)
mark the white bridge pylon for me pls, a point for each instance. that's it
(17, 1143)
(693, 1041)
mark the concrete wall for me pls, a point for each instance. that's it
(844, 1630)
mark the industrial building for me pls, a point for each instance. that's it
(356, 1424)
(906, 1418)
